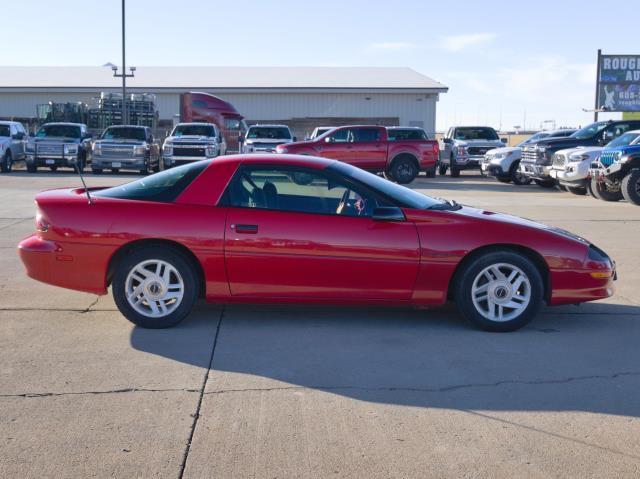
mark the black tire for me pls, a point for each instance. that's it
(96, 171)
(577, 190)
(178, 261)
(453, 171)
(546, 183)
(115, 170)
(53, 168)
(404, 169)
(603, 192)
(6, 164)
(631, 187)
(590, 189)
(517, 178)
(504, 180)
(431, 172)
(32, 168)
(442, 169)
(464, 284)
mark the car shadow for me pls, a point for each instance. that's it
(567, 359)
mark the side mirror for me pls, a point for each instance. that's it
(447, 140)
(504, 141)
(295, 138)
(387, 213)
(329, 139)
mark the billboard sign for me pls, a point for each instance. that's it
(618, 86)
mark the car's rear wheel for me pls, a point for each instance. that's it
(404, 169)
(115, 170)
(32, 167)
(53, 168)
(431, 172)
(631, 187)
(96, 171)
(6, 165)
(504, 180)
(604, 191)
(155, 287)
(546, 183)
(499, 291)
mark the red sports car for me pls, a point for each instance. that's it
(284, 228)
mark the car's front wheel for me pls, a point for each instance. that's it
(517, 177)
(6, 164)
(499, 291)
(631, 187)
(605, 191)
(155, 287)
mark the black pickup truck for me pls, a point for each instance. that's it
(536, 162)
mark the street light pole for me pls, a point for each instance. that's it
(124, 75)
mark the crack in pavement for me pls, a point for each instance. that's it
(109, 391)
(19, 220)
(435, 390)
(196, 415)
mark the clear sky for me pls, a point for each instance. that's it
(503, 61)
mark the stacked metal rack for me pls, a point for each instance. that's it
(106, 110)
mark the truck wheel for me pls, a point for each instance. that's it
(499, 291)
(577, 190)
(545, 183)
(431, 172)
(590, 189)
(603, 192)
(631, 187)
(53, 168)
(32, 167)
(6, 164)
(442, 169)
(155, 287)
(115, 170)
(404, 169)
(516, 175)
(454, 172)
(96, 171)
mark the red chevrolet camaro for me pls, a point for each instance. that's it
(284, 228)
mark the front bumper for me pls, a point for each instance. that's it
(574, 174)
(98, 162)
(602, 172)
(491, 169)
(535, 171)
(468, 162)
(66, 161)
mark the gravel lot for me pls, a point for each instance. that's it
(252, 391)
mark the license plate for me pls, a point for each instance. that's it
(50, 162)
(116, 164)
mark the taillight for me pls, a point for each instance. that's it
(42, 225)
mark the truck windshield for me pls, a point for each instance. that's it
(590, 130)
(271, 132)
(5, 130)
(194, 130)
(624, 140)
(124, 133)
(58, 131)
(404, 197)
(475, 134)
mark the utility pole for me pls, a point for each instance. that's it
(595, 110)
(124, 75)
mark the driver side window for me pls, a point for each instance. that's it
(299, 190)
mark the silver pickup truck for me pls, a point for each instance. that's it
(192, 142)
(13, 140)
(59, 145)
(126, 147)
(464, 147)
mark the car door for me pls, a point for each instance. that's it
(367, 149)
(303, 233)
(336, 146)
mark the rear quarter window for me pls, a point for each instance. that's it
(163, 187)
(401, 135)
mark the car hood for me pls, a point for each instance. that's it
(120, 142)
(624, 149)
(558, 143)
(496, 143)
(580, 149)
(503, 150)
(189, 138)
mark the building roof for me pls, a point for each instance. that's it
(20, 78)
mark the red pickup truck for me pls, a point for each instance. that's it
(399, 152)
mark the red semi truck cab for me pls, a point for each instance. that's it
(400, 152)
(204, 107)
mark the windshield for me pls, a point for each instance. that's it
(590, 130)
(124, 133)
(58, 131)
(165, 186)
(624, 140)
(401, 195)
(536, 137)
(5, 130)
(194, 130)
(262, 132)
(475, 134)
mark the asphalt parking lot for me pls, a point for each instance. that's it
(254, 391)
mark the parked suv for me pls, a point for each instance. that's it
(464, 147)
(59, 144)
(504, 163)
(126, 147)
(372, 148)
(192, 142)
(617, 172)
(537, 157)
(13, 140)
(265, 138)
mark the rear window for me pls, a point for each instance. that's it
(163, 187)
(401, 135)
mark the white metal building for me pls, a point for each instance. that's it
(303, 97)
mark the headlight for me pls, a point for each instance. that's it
(70, 149)
(578, 157)
(211, 150)
(140, 150)
(31, 147)
(97, 149)
(462, 150)
(500, 156)
(281, 149)
(167, 149)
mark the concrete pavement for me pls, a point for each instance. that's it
(254, 391)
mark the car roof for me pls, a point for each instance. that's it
(404, 128)
(127, 126)
(473, 126)
(8, 122)
(267, 125)
(195, 123)
(64, 123)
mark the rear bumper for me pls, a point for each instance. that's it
(72, 266)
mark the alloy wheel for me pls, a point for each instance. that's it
(501, 292)
(154, 288)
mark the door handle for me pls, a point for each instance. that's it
(245, 229)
